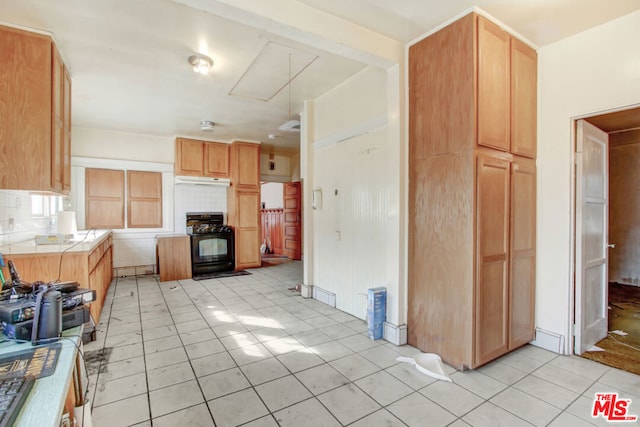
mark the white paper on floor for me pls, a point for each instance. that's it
(619, 332)
(429, 364)
(595, 348)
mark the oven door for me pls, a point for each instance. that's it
(212, 252)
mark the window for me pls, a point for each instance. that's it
(45, 206)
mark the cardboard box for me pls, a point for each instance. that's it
(376, 312)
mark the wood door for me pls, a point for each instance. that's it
(592, 161)
(522, 275)
(292, 220)
(189, 157)
(57, 121)
(524, 93)
(216, 157)
(104, 197)
(492, 251)
(494, 81)
(144, 200)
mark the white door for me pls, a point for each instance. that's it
(592, 161)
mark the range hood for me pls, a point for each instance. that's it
(202, 180)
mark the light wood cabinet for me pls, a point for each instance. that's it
(202, 158)
(524, 92)
(144, 201)
(104, 198)
(91, 269)
(243, 203)
(471, 193)
(245, 173)
(244, 217)
(174, 257)
(32, 98)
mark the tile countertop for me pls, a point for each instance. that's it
(84, 241)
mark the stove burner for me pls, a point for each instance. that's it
(209, 228)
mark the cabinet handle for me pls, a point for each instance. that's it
(611, 245)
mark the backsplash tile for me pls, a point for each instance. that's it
(197, 198)
(17, 223)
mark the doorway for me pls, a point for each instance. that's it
(613, 296)
(281, 222)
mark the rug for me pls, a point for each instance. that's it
(270, 260)
(621, 351)
(221, 274)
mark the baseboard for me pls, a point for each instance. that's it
(395, 334)
(324, 296)
(549, 341)
(138, 270)
(306, 291)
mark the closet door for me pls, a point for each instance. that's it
(492, 252)
(523, 251)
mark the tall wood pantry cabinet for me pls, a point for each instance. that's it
(472, 147)
(243, 203)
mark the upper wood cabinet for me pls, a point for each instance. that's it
(524, 92)
(104, 198)
(245, 158)
(144, 199)
(472, 192)
(32, 101)
(507, 91)
(494, 83)
(202, 158)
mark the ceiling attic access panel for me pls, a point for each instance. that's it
(271, 71)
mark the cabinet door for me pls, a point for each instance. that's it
(57, 121)
(492, 249)
(216, 160)
(66, 115)
(144, 199)
(494, 81)
(523, 251)
(189, 157)
(25, 102)
(104, 197)
(247, 229)
(247, 163)
(524, 72)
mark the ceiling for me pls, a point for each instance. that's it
(128, 59)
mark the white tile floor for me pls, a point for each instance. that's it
(247, 351)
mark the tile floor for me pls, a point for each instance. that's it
(247, 351)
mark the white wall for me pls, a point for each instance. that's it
(108, 144)
(272, 195)
(356, 232)
(591, 72)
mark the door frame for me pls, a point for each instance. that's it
(574, 225)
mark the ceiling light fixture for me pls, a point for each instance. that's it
(206, 125)
(201, 63)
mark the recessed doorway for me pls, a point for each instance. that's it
(619, 305)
